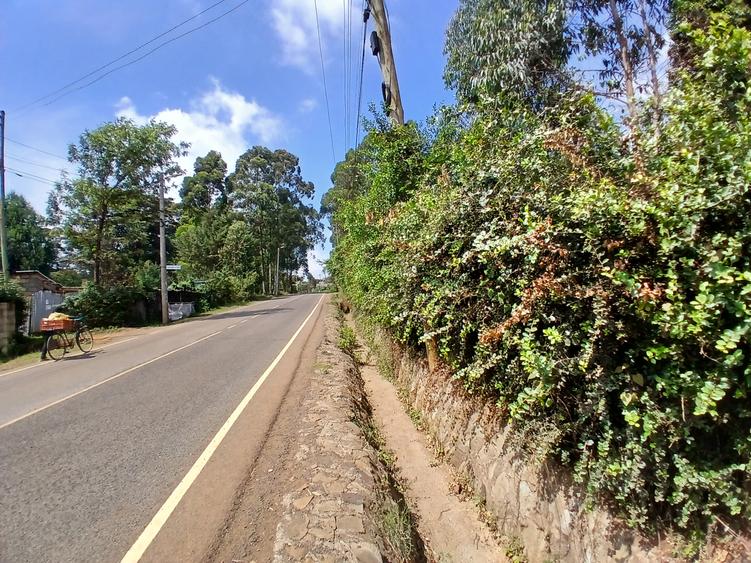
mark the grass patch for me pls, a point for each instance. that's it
(22, 350)
(347, 339)
(395, 527)
(515, 550)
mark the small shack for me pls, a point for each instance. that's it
(44, 295)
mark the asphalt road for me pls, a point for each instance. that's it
(92, 447)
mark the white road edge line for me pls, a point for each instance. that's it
(90, 387)
(231, 326)
(143, 542)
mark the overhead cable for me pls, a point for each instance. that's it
(323, 73)
(121, 57)
(30, 176)
(138, 59)
(365, 17)
(36, 149)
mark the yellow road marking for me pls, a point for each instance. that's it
(143, 542)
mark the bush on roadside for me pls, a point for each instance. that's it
(601, 292)
(109, 306)
(12, 292)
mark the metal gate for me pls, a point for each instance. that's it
(42, 304)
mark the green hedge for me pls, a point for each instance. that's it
(111, 306)
(601, 292)
(11, 292)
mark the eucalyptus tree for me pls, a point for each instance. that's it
(206, 188)
(532, 50)
(269, 191)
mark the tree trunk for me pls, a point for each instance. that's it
(101, 222)
(652, 61)
(628, 71)
(262, 275)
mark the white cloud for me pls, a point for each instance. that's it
(217, 120)
(307, 105)
(295, 23)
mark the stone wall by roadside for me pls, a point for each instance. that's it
(7, 325)
(334, 516)
(535, 505)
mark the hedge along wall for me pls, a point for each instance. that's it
(600, 292)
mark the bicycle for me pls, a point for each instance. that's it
(60, 340)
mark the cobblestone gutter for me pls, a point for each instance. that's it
(338, 514)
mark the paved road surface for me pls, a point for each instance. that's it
(92, 447)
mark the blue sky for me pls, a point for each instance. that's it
(252, 77)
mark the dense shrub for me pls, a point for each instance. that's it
(11, 292)
(220, 288)
(110, 306)
(601, 291)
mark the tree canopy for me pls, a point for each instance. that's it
(30, 246)
(107, 214)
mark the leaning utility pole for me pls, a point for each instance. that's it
(380, 44)
(3, 233)
(163, 257)
(381, 47)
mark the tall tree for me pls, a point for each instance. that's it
(626, 35)
(347, 182)
(516, 46)
(206, 187)
(199, 244)
(268, 189)
(108, 213)
(523, 49)
(29, 244)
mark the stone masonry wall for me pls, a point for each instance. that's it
(537, 505)
(7, 325)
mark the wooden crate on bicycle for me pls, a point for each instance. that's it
(48, 325)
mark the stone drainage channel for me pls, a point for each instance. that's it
(351, 507)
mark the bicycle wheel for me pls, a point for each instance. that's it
(56, 346)
(84, 339)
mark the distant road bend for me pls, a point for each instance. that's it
(136, 451)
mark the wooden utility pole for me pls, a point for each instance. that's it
(3, 233)
(386, 60)
(163, 258)
(393, 97)
(276, 280)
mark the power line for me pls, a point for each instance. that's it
(365, 17)
(325, 88)
(31, 176)
(18, 158)
(159, 46)
(36, 149)
(118, 59)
